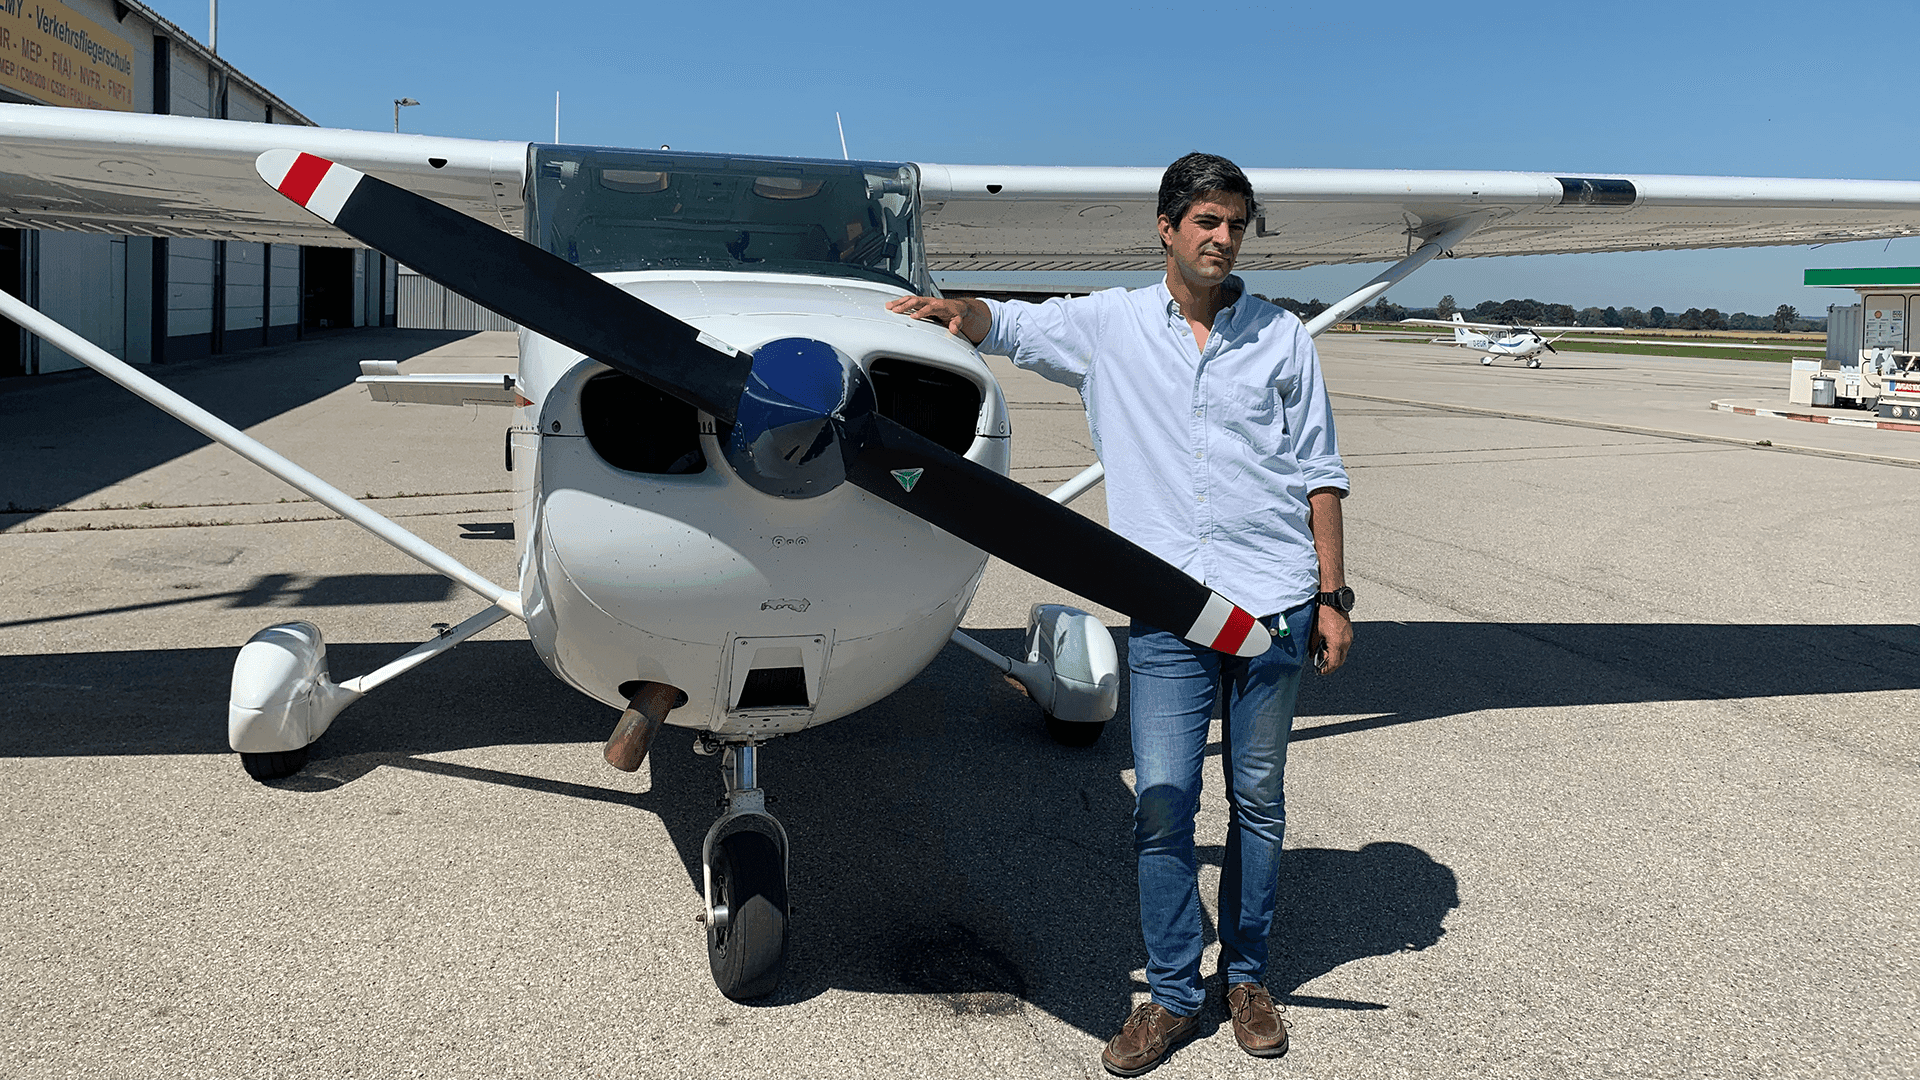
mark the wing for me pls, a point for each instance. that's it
(97, 171)
(1005, 218)
(1481, 326)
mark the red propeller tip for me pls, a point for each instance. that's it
(320, 185)
(1229, 628)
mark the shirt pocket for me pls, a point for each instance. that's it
(1254, 417)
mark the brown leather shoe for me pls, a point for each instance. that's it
(1257, 1024)
(1149, 1034)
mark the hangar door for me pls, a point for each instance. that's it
(328, 274)
(12, 338)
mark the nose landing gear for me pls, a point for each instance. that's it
(744, 862)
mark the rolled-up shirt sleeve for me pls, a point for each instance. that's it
(1057, 339)
(1310, 418)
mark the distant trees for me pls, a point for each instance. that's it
(1383, 310)
(1695, 319)
(1514, 312)
(1531, 312)
(1305, 309)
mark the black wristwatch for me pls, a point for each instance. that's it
(1340, 599)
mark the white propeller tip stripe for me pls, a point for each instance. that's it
(1256, 643)
(332, 193)
(1213, 619)
(274, 165)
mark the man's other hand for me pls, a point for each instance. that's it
(969, 319)
(1333, 633)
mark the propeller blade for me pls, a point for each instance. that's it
(518, 281)
(1550, 347)
(1036, 534)
(554, 298)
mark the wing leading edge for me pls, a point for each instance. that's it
(106, 172)
(77, 169)
(1009, 218)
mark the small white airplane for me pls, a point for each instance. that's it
(747, 499)
(1498, 339)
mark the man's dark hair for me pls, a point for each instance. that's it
(1195, 175)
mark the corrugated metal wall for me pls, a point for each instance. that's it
(1843, 334)
(427, 305)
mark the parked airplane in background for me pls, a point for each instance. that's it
(1498, 339)
(748, 500)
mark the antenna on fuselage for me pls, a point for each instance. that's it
(844, 156)
(556, 116)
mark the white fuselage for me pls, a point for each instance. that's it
(699, 580)
(1517, 343)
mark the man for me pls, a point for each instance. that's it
(1207, 408)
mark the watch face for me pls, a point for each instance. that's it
(1340, 599)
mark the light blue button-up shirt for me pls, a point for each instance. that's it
(1210, 454)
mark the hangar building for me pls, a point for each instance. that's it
(152, 300)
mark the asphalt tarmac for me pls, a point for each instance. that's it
(1623, 778)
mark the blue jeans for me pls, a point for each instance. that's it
(1172, 689)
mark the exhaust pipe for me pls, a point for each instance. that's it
(633, 735)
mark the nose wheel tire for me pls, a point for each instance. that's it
(1533, 363)
(274, 765)
(1074, 733)
(747, 935)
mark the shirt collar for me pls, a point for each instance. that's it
(1234, 286)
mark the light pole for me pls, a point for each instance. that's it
(397, 103)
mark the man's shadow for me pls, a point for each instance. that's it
(1338, 906)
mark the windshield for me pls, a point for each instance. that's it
(605, 210)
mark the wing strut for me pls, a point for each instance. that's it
(257, 452)
(1442, 241)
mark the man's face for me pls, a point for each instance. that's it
(1203, 247)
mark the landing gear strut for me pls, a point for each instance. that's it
(745, 865)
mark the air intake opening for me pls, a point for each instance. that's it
(941, 405)
(774, 688)
(634, 427)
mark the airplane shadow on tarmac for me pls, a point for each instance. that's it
(943, 846)
(75, 433)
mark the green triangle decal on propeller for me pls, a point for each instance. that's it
(908, 477)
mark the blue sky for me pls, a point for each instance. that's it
(1767, 88)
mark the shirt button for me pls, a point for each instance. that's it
(1197, 455)
(1199, 498)
(1203, 539)
(1199, 412)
